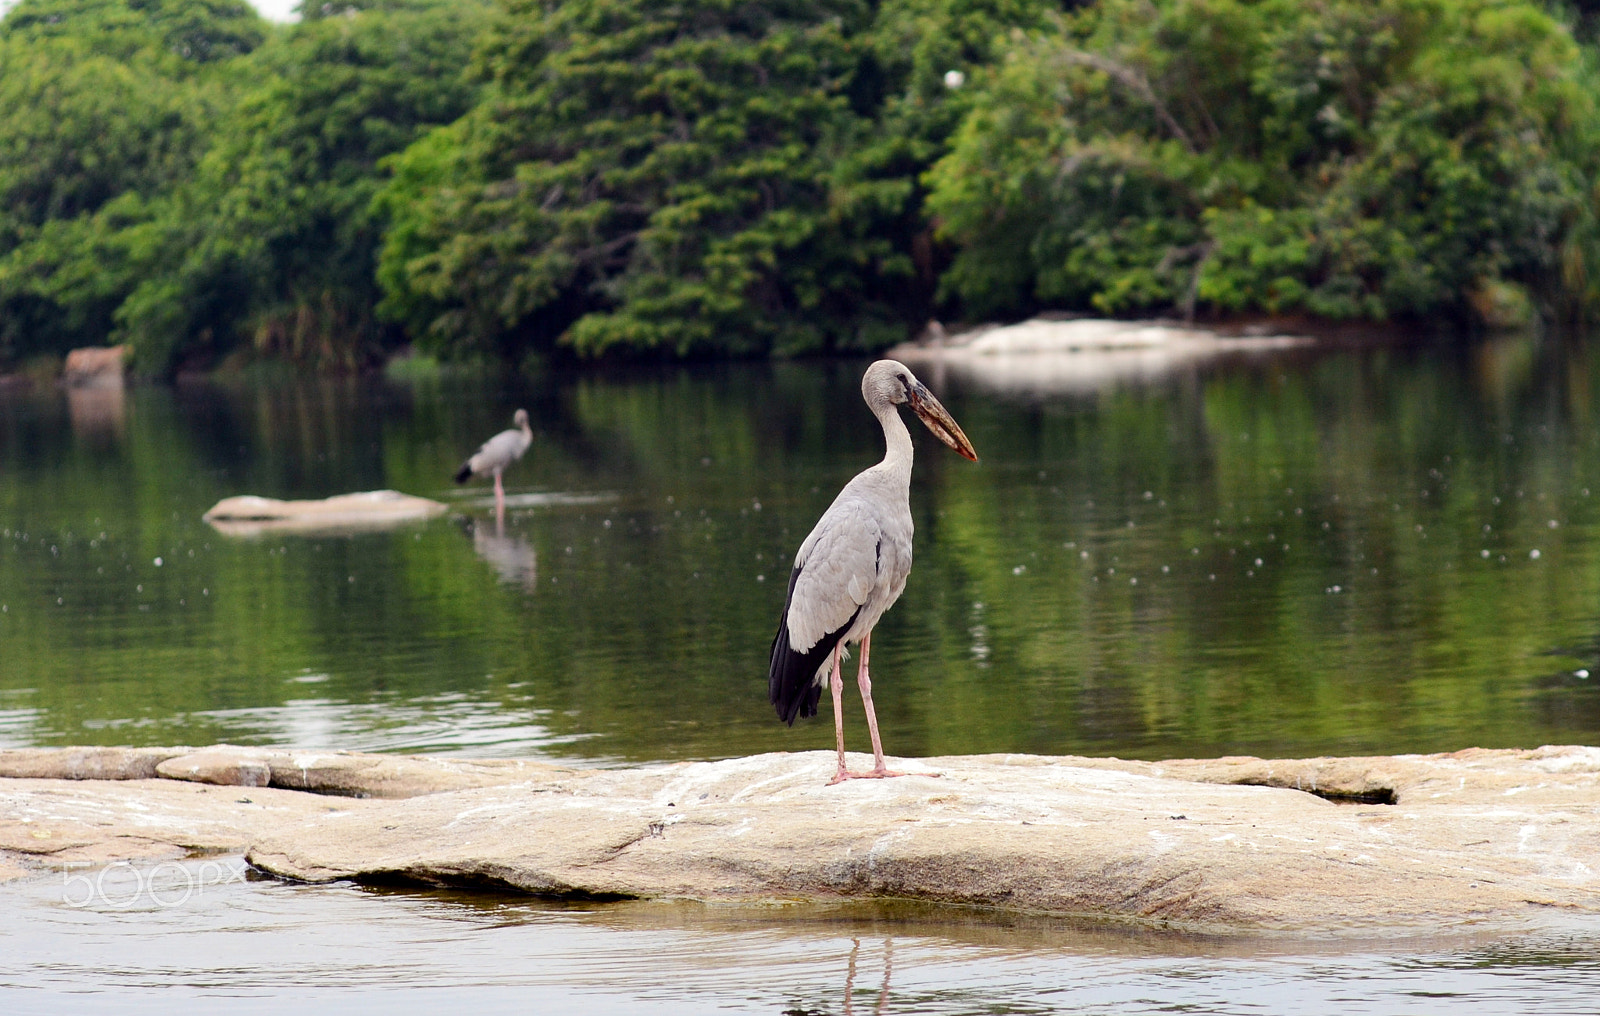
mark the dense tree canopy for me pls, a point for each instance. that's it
(1350, 158)
(177, 175)
(691, 176)
(686, 177)
(193, 31)
(274, 240)
(103, 110)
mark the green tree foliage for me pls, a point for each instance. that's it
(914, 62)
(777, 176)
(194, 31)
(172, 176)
(1344, 158)
(645, 174)
(275, 240)
(688, 176)
(103, 109)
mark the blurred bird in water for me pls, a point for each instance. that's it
(496, 454)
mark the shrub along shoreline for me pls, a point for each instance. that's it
(587, 178)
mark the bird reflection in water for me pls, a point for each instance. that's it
(850, 978)
(882, 1004)
(512, 557)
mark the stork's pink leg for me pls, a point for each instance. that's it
(879, 770)
(836, 684)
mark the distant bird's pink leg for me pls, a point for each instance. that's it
(879, 771)
(836, 684)
(499, 494)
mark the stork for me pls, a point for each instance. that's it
(496, 454)
(854, 565)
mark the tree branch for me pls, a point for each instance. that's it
(1134, 82)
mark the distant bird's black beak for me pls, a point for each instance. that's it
(938, 420)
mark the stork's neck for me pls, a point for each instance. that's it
(896, 438)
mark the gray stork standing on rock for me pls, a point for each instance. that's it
(496, 454)
(854, 564)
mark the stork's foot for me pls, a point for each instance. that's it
(879, 773)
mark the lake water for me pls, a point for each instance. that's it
(1331, 551)
(1303, 554)
(205, 937)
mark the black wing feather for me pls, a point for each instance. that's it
(465, 472)
(792, 676)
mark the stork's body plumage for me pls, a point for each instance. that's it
(854, 565)
(497, 453)
(851, 569)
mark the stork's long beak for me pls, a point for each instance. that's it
(938, 420)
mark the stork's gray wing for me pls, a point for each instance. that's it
(836, 570)
(834, 575)
(499, 451)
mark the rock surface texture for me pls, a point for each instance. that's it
(1479, 838)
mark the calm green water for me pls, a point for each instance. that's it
(1314, 552)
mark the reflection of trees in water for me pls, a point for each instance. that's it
(97, 412)
(1570, 697)
(512, 557)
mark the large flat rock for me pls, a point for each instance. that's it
(249, 515)
(52, 825)
(1045, 356)
(1500, 838)
(96, 366)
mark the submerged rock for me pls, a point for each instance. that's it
(1499, 837)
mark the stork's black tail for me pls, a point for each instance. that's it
(792, 675)
(464, 473)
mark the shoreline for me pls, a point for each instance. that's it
(1241, 332)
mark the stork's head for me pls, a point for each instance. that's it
(520, 419)
(891, 382)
